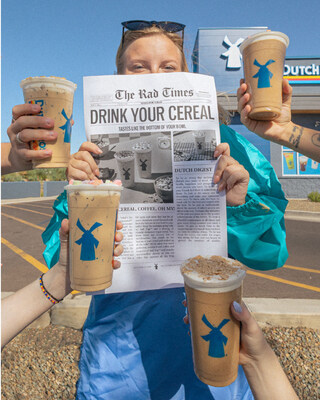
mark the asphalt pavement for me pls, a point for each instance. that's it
(23, 222)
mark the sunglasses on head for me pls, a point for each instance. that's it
(138, 25)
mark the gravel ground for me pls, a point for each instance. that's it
(43, 363)
(303, 205)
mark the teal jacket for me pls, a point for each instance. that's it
(256, 230)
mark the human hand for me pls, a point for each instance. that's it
(253, 345)
(64, 244)
(27, 126)
(62, 278)
(231, 176)
(82, 165)
(271, 130)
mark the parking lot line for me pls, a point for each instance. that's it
(302, 269)
(23, 221)
(280, 280)
(25, 209)
(41, 267)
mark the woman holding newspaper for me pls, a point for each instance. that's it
(135, 345)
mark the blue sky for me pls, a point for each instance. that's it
(75, 38)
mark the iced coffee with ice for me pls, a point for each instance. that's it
(55, 97)
(93, 210)
(211, 285)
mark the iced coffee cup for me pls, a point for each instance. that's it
(125, 162)
(211, 285)
(199, 141)
(303, 161)
(263, 62)
(143, 152)
(55, 97)
(93, 210)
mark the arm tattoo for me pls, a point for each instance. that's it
(296, 140)
(316, 139)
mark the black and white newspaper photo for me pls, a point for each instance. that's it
(158, 134)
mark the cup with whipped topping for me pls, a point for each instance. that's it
(93, 211)
(125, 163)
(211, 285)
(55, 97)
(143, 152)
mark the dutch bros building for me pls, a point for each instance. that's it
(216, 52)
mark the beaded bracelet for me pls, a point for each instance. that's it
(46, 293)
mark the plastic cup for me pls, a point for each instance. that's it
(93, 212)
(55, 97)
(125, 162)
(303, 161)
(211, 285)
(263, 61)
(143, 153)
(289, 160)
(199, 141)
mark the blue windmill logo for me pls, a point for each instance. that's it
(88, 242)
(264, 75)
(66, 127)
(217, 340)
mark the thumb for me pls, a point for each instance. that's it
(242, 314)
(64, 243)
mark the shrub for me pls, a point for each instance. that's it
(45, 174)
(314, 196)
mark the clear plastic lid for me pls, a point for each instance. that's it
(216, 282)
(47, 81)
(268, 35)
(88, 187)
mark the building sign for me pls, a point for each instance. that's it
(297, 164)
(233, 54)
(302, 74)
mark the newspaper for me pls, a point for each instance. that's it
(158, 133)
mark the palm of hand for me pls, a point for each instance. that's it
(271, 129)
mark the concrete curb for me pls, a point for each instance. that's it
(302, 215)
(27, 200)
(73, 310)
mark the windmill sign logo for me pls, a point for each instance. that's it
(88, 242)
(264, 75)
(217, 340)
(232, 54)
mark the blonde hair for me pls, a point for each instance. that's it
(130, 36)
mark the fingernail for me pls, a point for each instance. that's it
(237, 307)
(48, 121)
(35, 107)
(215, 154)
(97, 172)
(47, 152)
(100, 151)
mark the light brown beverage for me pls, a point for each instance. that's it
(211, 285)
(55, 97)
(93, 214)
(263, 61)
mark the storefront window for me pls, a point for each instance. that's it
(297, 164)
